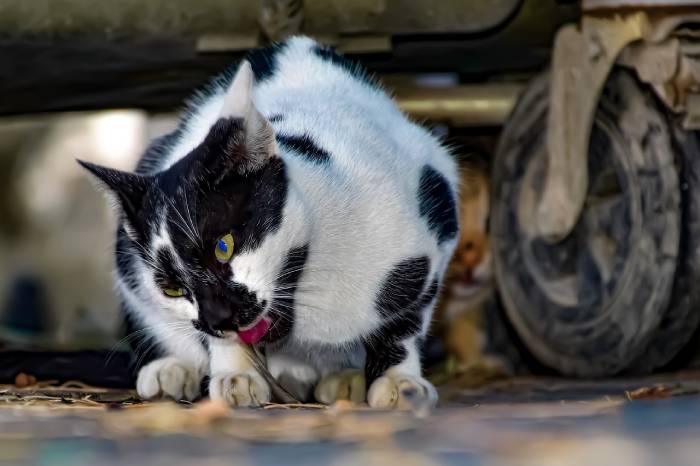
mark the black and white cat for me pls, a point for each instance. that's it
(297, 208)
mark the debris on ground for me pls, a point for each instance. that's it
(649, 393)
(519, 421)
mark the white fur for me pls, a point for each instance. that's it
(168, 377)
(359, 215)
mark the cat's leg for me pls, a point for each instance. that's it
(344, 385)
(392, 364)
(394, 375)
(166, 366)
(169, 377)
(233, 377)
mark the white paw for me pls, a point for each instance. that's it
(240, 389)
(168, 377)
(401, 391)
(345, 385)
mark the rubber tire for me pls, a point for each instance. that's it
(682, 317)
(605, 339)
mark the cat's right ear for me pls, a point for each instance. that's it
(124, 190)
(238, 104)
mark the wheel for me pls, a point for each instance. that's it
(680, 321)
(590, 304)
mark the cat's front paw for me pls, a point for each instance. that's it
(168, 377)
(401, 391)
(240, 389)
(345, 385)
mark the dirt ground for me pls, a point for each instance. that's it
(526, 421)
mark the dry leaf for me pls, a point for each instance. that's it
(649, 393)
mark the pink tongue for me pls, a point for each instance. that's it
(255, 333)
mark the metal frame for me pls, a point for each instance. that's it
(633, 33)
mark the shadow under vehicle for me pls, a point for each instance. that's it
(596, 209)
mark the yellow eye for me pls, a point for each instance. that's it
(174, 292)
(224, 248)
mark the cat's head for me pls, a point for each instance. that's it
(202, 226)
(470, 268)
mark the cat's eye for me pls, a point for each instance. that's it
(174, 292)
(224, 248)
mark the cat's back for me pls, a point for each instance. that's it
(323, 108)
(309, 89)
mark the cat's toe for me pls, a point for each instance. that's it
(240, 389)
(345, 385)
(401, 391)
(168, 377)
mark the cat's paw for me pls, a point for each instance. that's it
(168, 377)
(345, 385)
(401, 391)
(240, 389)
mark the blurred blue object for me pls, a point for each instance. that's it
(25, 310)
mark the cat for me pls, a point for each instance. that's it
(295, 208)
(469, 283)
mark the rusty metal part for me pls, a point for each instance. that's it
(582, 59)
(466, 105)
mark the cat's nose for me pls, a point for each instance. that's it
(218, 317)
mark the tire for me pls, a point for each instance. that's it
(681, 319)
(590, 304)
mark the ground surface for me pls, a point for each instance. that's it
(531, 421)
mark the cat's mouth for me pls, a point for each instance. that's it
(249, 334)
(254, 332)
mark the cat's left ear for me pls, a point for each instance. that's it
(238, 104)
(125, 191)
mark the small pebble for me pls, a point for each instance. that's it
(343, 405)
(207, 411)
(23, 380)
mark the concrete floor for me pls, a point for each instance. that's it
(526, 421)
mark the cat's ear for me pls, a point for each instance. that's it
(124, 190)
(238, 105)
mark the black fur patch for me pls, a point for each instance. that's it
(403, 286)
(225, 306)
(211, 192)
(277, 117)
(352, 67)
(437, 204)
(264, 61)
(304, 146)
(205, 182)
(402, 302)
(166, 275)
(283, 304)
(156, 153)
(249, 207)
(381, 355)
